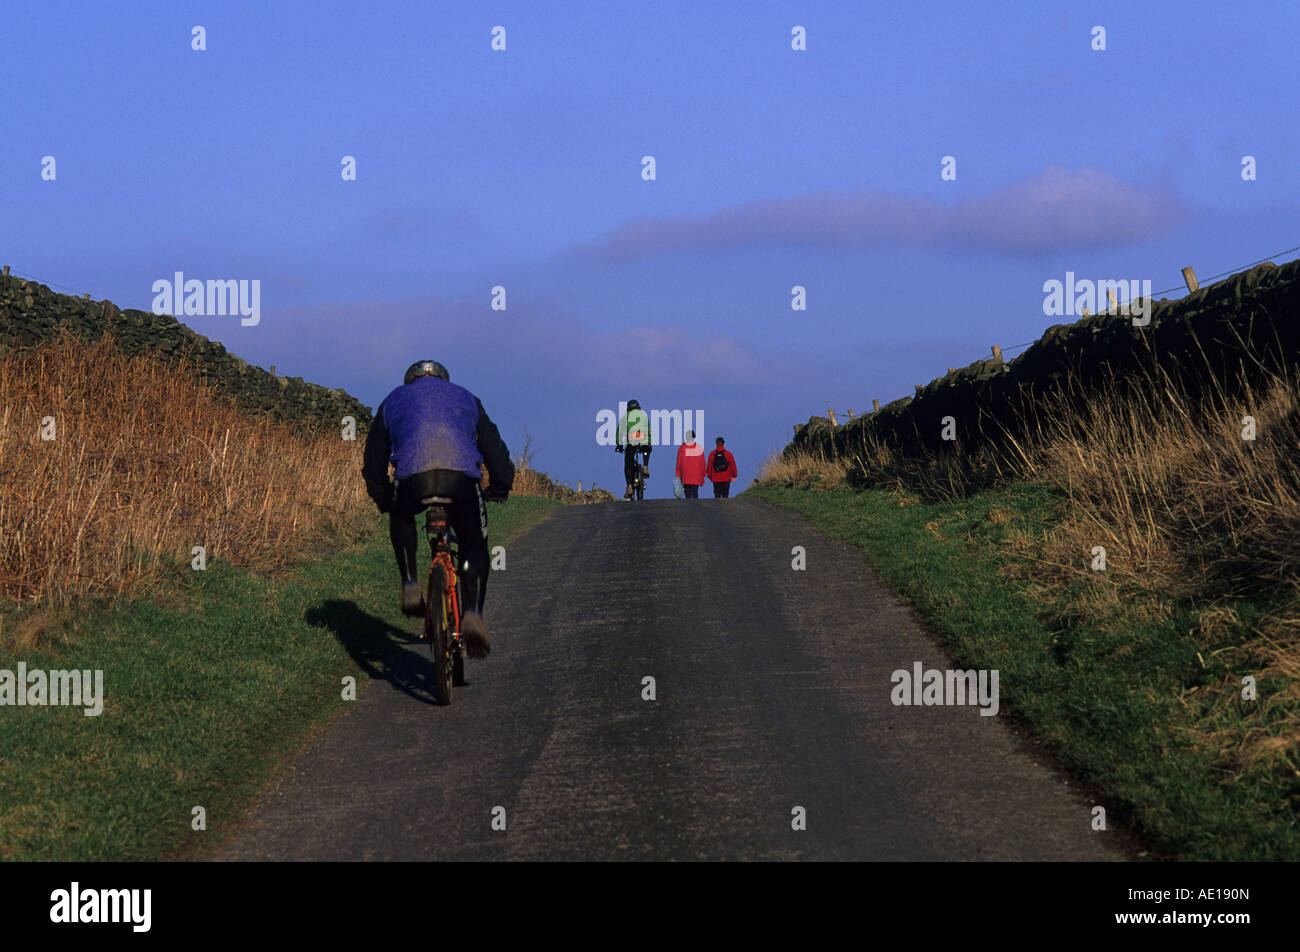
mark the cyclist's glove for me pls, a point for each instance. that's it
(496, 494)
(385, 503)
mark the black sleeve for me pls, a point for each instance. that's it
(495, 453)
(374, 468)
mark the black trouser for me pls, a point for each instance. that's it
(629, 461)
(692, 490)
(721, 489)
(467, 517)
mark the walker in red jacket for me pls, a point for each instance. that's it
(690, 466)
(721, 468)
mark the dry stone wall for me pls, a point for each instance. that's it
(31, 314)
(1233, 333)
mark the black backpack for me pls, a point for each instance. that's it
(720, 464)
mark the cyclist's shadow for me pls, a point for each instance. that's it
(377, 647)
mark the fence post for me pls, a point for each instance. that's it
(850, 414)
(831, 413)
(1114, 302)
(6, 271)
(875, 404)
(1190, 277)
(918, 387)
(997, 353)
(273, 370)
(580, 485)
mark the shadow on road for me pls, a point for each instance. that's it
(377, 647)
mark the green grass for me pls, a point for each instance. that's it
(1128, 706)
(208, 686)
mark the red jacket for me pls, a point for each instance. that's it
(726, 477)
(690, 464)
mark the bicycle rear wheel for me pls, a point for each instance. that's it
(439, 637)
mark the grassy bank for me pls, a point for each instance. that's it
(209, 682)
(1138, 690)
(114, 466)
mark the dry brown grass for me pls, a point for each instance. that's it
(1190, 514)
(1165, 483)
(1192, 517)
(810, 469)
(1183, 505)
(530, 482)
(146, 464)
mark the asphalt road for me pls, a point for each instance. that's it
(772, 693)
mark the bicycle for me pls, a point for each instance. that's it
(639, 470)
(445, 603)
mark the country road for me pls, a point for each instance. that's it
(773, 692)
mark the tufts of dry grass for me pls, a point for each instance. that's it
(530, 482)
(1163, 481)
(146, 463)
(1190, 514)
(804, 469)
(1181, 502)
(1195, 518)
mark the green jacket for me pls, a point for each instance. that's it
(634, 429)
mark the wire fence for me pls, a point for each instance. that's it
(48, 284)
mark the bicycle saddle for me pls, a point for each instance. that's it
(436, 501)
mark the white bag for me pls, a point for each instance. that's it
(678, 490)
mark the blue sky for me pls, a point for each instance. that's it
(522, 168)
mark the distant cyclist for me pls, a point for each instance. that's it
(634, 430)
(436, 434)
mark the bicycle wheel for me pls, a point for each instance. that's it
(439, 637)
(458, 655)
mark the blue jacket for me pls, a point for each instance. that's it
(432, 424)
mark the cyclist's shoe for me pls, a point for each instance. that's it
(474, 632)
(412, 599)
(628, 494)
(645, 470)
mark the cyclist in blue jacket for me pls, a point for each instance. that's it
(436, 434)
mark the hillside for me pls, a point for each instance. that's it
(1225, 340)
(1114, 525)
(31, 314)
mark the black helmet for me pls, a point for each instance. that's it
(425, 368)
(634, 405)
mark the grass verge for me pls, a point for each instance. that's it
(1143, 700)
(208, 685)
